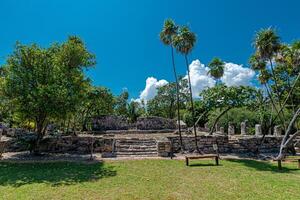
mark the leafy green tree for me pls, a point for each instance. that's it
(281, 81)
(97, 101)
(121, 104)
(225, 98)
(166, 35)
(46, 83)
(164, 103)
(135, 110)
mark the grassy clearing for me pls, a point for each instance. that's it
(149, 179)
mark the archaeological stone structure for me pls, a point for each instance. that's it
(155, 123)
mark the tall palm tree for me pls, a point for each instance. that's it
(184, 42)
(166, 35)
(267, 44)
(216, 68)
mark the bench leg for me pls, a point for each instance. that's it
(279, 165)
(217, 160)
(187, 161)
(299, 163)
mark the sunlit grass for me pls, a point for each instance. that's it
(149, 179)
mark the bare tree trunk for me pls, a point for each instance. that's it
(177, 97)
(217, 119)
(280, 110)
(287, 139)
(192, 102)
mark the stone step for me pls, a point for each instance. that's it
(137, 141)
(122, 153)
(136, 146)
(131, 156)
(137, 150)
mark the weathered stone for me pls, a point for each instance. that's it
(258, 130)
(217, 127)
(155, 123)
(163, 148)
(243, 128)
(109, 122)
(206, 126)
(222, 131)
(277, 131)
(231, 129)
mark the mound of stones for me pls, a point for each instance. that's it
(110, 122)
(155, 123)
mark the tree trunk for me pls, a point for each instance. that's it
(40, 135)
(280, 110)
(217, 119)
(286, 140)
(177, 97)
(192, 102)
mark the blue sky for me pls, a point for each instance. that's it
(124, 34)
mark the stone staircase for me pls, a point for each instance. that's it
(135, 147)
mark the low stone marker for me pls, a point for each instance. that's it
(217, 127)
(277, 131)
(258, 130)
(231, 129)
(164, 148)
(243, 128)
(222, 131)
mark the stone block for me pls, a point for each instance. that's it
(258, 131)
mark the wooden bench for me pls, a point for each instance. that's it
(215, 156)
(295, 158)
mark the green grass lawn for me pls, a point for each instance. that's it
(149, 179)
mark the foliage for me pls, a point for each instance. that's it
(235, 116)
(135, 110)
(216, 68)
(121, 104)
(95, 102)
(164, 103)
(222, 96)
(47, 83)
(200, 110)
(184, 40)
(168, 32)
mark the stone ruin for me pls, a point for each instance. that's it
(109, 122)
(155, 123)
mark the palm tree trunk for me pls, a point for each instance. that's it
(177, 97)
(192, 102)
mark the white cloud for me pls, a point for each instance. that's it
(236, 75)
(200, 79)
(151, 88)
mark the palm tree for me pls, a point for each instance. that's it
(167, 34)
(184, 42)
(267, 44)
(216, 68)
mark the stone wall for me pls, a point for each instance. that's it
(65, 144)
(110, 122)
(155, 123)
(228, 144)
(81, 144)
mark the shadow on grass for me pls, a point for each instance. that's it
(263, 165)
(203, 165)
(55, 174)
